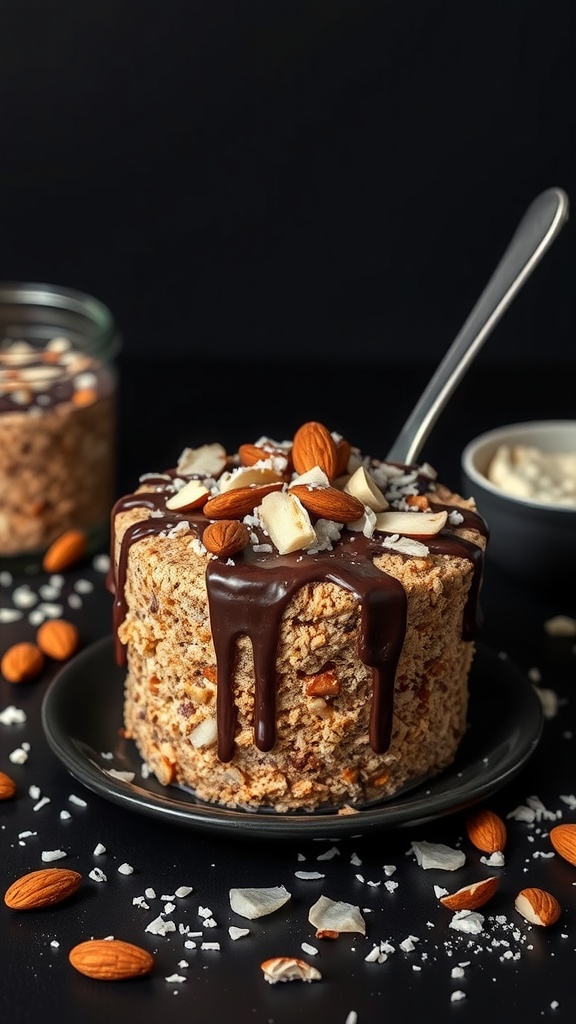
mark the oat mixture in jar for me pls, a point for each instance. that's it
(57, 416)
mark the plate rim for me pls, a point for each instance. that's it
(416, 807)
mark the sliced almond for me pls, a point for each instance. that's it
(411, 524)
(336, 916)
(314, 477)
(538, 907)
(470, 897)
(248, 476)
(288, 968)
(192, 495)
(362, 486)
(286, 522)
(207, 460)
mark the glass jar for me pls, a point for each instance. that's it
(58, 387)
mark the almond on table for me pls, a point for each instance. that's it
(58, 639)
(65, 551)
(42, 888)
(22, 662)
(7, 787)
(111, 959)
(486, 831)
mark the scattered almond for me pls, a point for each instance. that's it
(486, 830)
(538, 907)
(329, 503)
(289, 968)
(237, 503)
(313, 445)
(42, 888)
(469, 897)
(563, 839)
(22, 662)
(7, 787)
(110, 959)
(226, 537)
(58, 639)
(323, 684)
(65, 551)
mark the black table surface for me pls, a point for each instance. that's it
(509, 968)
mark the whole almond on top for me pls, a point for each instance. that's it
(110, 959)
(563, 839)
(486, 831)
(329, 503)
(226, 537)
(21, 662)
(343, 450)
(538, 907)
(313, 445)
(250, 454)
(237, 503)
(42, 888)
(58, 639)
(469, 897)
(7, 787)
(65, 551)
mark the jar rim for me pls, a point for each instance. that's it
(72, 300)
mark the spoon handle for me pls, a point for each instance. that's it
(535, 233)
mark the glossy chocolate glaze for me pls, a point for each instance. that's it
(249, 596)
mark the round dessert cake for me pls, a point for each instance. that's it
(297, 620)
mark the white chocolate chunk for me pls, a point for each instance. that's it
(362, 486)
(286, 522)
(193, 493)
(412, 524)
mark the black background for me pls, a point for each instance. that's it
(265, 179)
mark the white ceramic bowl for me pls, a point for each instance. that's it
(534, 541)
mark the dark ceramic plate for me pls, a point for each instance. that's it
(82, 718)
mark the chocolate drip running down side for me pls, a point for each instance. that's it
(249, 596)
(248, 599)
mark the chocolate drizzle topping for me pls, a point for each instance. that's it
(249, 597)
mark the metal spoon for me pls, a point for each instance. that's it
(535, 233)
